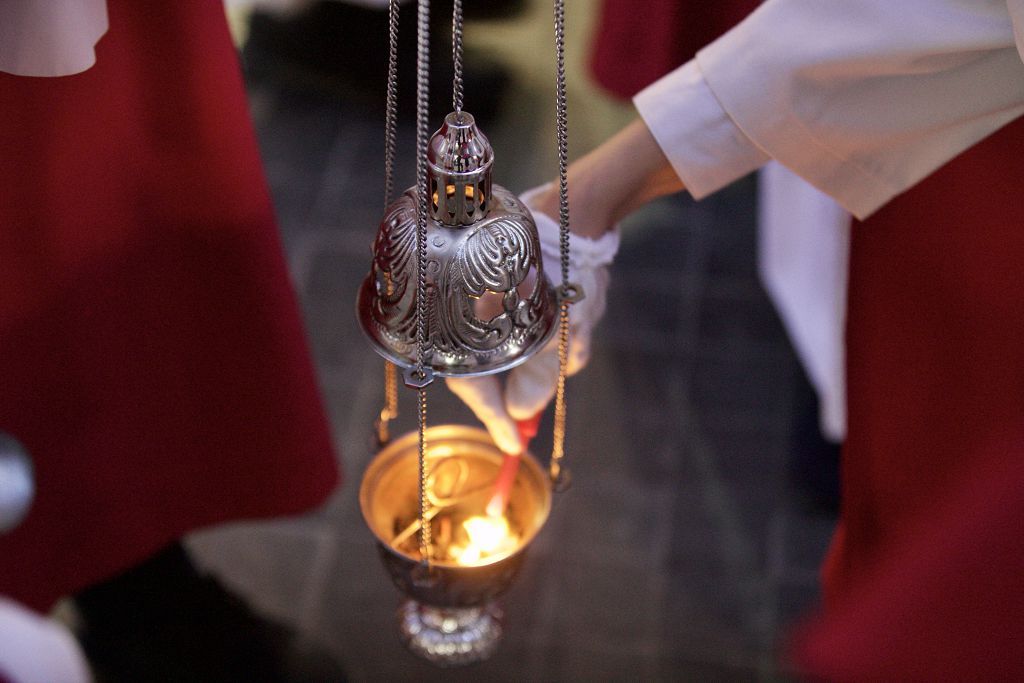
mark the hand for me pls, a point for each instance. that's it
(530, 387)
(619, 176)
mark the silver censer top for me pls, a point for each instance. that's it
(488, 304)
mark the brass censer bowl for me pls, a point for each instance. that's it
(450, 617)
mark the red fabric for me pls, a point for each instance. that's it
(151, 354)
(935, 336)
(945, 601)
(639, 41)
(925, 578)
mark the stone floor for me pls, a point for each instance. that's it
(679, 553)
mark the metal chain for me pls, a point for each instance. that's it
(422, 130)
(457, 88)
(562, 132)
(390, 410)
(391, 109)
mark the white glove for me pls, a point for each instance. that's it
(35, 649)
(531, 386)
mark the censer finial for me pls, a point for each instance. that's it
(459, 160)
(489, 306)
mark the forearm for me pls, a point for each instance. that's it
(612, 181)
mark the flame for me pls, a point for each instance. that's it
(488, 536)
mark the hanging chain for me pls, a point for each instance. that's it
(562, 131)
(421, 373)
(391, 109)
(390, 410)
(457, 88)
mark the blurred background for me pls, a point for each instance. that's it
(689, 542)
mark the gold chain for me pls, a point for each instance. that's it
(558, 445)
(390, 410)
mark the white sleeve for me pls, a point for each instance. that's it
(862, 98)
(50, 37)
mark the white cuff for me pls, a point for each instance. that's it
(584, 252)
(706, 148)
(777, 129)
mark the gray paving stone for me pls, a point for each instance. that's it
(271, 562)
(807, 535)
(676, 668)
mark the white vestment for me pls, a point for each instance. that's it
(860, 98)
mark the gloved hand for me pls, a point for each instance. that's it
(531, 386)
(36, 648)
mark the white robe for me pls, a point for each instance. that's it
(803, 241)
(862, 99)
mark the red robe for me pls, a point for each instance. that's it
(943, 601)
(925, 577)
(639, 41)
(152, 358)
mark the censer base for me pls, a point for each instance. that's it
(450, 636)
(450, 617)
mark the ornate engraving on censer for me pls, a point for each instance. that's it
(488, 304)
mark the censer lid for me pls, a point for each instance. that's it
(495, 262)
(488, 305)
